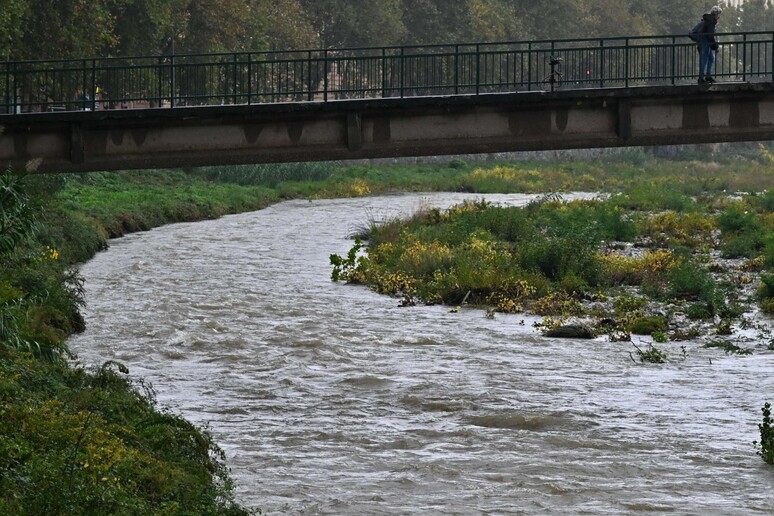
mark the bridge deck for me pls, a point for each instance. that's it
(354, 129)
(167, 111)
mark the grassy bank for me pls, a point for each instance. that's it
(75, 441)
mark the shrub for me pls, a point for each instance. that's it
(628, 303)
(729, 347)
(647, 325)
(351, 267)
(767, 306)
(18, 219)
(557, 257)
(653, 198)
(766, 428)
(630, 270)
(78, 443)
(741, 231)
(557, 303)
(766, 201)
(766, 287)
(768, 251)
(653, 355)
(699, 311)
(686, 229)
(689, 281)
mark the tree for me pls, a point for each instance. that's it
(755, 15)
(65, 28)
(280, 26)
(353, 23)
(148, 27)
(11, 16)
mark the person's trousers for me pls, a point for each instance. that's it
(706, 60)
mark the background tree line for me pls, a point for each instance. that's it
(45, 29)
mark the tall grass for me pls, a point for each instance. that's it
(269, 175)
(73, 442)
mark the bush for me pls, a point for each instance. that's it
(766, 428)
(699, 311)
(689, 281)
(557, 257)
(647, 325)
(79, 443)
(741, 231)
(654, 198)
(457, 164)
(653, 355)
(627, 303)
(766, 288)
(766, 201)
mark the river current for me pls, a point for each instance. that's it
(330, 399)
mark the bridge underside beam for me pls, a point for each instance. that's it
(341, 130)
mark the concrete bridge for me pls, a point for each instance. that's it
(369, 103)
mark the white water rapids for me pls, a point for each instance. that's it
(330, 399)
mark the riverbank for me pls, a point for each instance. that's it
(94, 451)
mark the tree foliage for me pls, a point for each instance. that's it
(38, 29)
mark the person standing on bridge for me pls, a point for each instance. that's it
(708, 46)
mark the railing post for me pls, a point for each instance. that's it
(601, 61)
(171, 81)
(8, 85)
(772, 56)
(521, 69)
(250, 77)
(402, 72)
(325, 77)
(160, 81)
(552, 55)
(235, 62)
(93, 84)
(310, 93)
(744, 59)
(673, 68)
(15, 90)
(626, 63)
(456, 69)
(529, 66)
(478, 69)
(384, 72)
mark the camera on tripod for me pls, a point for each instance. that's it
(553, 61)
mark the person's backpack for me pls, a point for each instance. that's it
(697, 31)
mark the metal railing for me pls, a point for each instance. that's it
(384, 72)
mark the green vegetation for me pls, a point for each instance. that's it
(78, 443)
(73, 442)
(652, 355)
(657, 237)
(728, 347)
(39, 29)
(766, 445)
(545, 258)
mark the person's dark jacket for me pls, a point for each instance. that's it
(709, 30)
